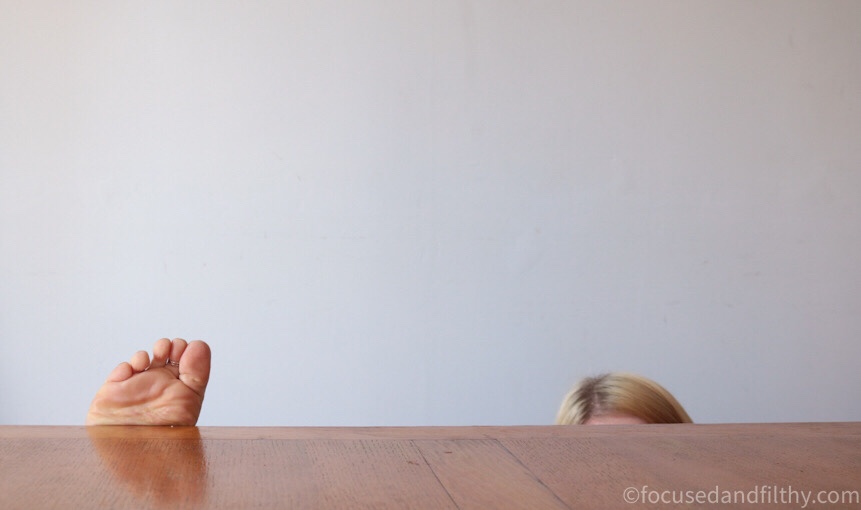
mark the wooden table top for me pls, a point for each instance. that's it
(431, 467)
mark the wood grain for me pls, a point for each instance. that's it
(481, 473)
(421, 467)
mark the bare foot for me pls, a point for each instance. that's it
(141, 392)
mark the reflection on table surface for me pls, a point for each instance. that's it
(419, 467)
(167, 471)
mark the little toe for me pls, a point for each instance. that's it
(140, 361)
(160, 353)
(195, 365)
(122, 372)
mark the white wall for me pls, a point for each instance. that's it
(408, 213)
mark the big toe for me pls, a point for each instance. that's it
(194, 366)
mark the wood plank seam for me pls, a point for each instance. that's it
(529, 470)
(435, 475)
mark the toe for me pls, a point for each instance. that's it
(122, 372)
(177, 348)
(160, 353)
(194, 366)
(140, 361)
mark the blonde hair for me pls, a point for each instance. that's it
(620, 393)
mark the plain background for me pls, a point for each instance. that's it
(433, 212)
